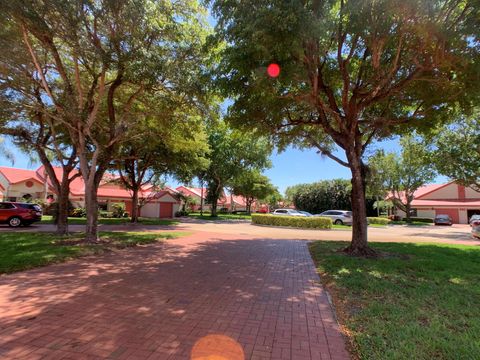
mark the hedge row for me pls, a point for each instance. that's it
(293, 221)
(378, 220)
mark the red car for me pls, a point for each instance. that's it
(15, 214)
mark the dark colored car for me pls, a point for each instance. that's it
(443, 219)
(15, 214)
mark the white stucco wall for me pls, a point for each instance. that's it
(21, 189)
(462, 216)
(176, 207)
(4, 183)
(426, 213)
(448, 192)
(471, 194)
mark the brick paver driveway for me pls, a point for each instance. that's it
(160, 301)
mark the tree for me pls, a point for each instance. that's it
(6, 153)
(274, 200)
(457, 153)
(94, 60)
(232, 153)
(351, 71)
(403, 174)
(321, 196)
(253, 186)
(28, 118)
(167, 139)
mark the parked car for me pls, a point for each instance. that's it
(289, 212)
(475, 217)
(306, 213)
(476, 228)
(443, 219)
(339, 217)
(15, 214)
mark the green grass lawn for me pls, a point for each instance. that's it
(22, 250)
(206, 216)
(422, 304)
(47, 219)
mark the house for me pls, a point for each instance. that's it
(21, 185)
(458, 201)
(226, 201)
(196, 194)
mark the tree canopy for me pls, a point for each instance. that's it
(321, 196)
(86, 65)
(457, 153)
(232, 153)
(253, 186)
(351, 71)
(400, 175)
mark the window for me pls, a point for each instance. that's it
(327, 213)
(12, 199)
(31, 207)
(413, 212)
(281, 211)
(6, 206)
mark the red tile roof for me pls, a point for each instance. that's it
(77, 186)
(422, 191)
(192, 191)
(446, 203)
(15, 176)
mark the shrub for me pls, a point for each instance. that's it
(394, 217)
(118, 210)
(378, 220)
(106, 214)
(78, 212)
(420, 219)
(293, 221)
(181, 213)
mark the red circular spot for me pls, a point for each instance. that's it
(273, 70)
(29, 184)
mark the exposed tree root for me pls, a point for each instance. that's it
(366, 251)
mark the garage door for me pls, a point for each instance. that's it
(149, 210)
(452, 212)
(166, 210)
(128, 207)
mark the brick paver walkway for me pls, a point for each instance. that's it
(160, 301)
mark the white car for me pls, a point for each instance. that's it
(475, 217)
(339, 217)
(475, 228)
(288, 212)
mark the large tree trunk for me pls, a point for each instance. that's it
(201, 199)
(359, 245)
(408, 209)
(91, 206)
(62, 208)
(135, 208)
(213, 213)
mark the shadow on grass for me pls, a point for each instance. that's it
(424, 302)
